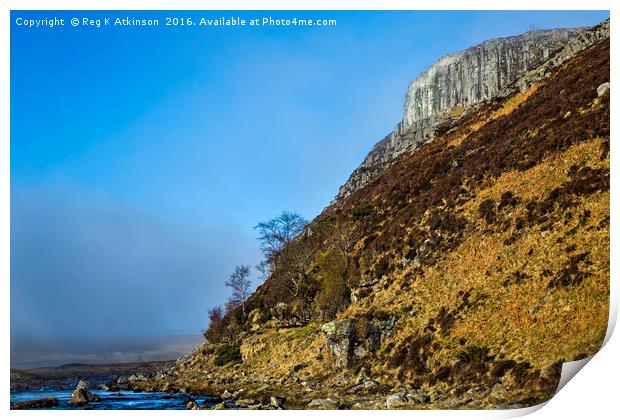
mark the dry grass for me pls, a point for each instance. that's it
(570, 322)
(506, 108)
(526, 288)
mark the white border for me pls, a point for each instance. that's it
(594, 393)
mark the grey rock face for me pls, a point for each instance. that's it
(458, 82)
(477, 74)
(340, 340)
(347, 344)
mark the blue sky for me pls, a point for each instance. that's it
(142, 158)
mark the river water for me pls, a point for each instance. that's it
(125, 400)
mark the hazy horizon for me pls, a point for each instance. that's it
(32, 352)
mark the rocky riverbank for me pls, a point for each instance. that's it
(68, 376)
(239, 386)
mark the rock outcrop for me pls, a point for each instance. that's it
(348, 341)
(459, 82)
(32, 404)
(83, 396)
(84, 384)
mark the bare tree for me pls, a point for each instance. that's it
(293, 261)
(274, 234)
(264, 269)
(240, 283)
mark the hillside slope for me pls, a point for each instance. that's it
(462, 277)
(458, 83)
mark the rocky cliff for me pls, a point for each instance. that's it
(458, 82)
(463, 276)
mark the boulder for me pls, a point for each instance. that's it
(192, 405)
(40, 403)
(367, 385)
(347, 340)
(237, 393)
(418, 396)
(407, 399)
(322, 404)
(254, 318)
(396, 400)
(370, 385)
(367, 405)
(84, 384)
(83, 396)
(226, 395)
(276, 402)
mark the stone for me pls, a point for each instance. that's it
(276, 402)
(83, 396)
(346, 344)
(370, 385)
(322, 404)
(237, 393)
(104, 387)
(84, 384)
(366, 405)
(192, 405)
(254, 318)
(396, 400)
(602, 89)
(367, 385)
(220, 406)
(418, 396)
(226, 395)
(247, 402)
(39, 403)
